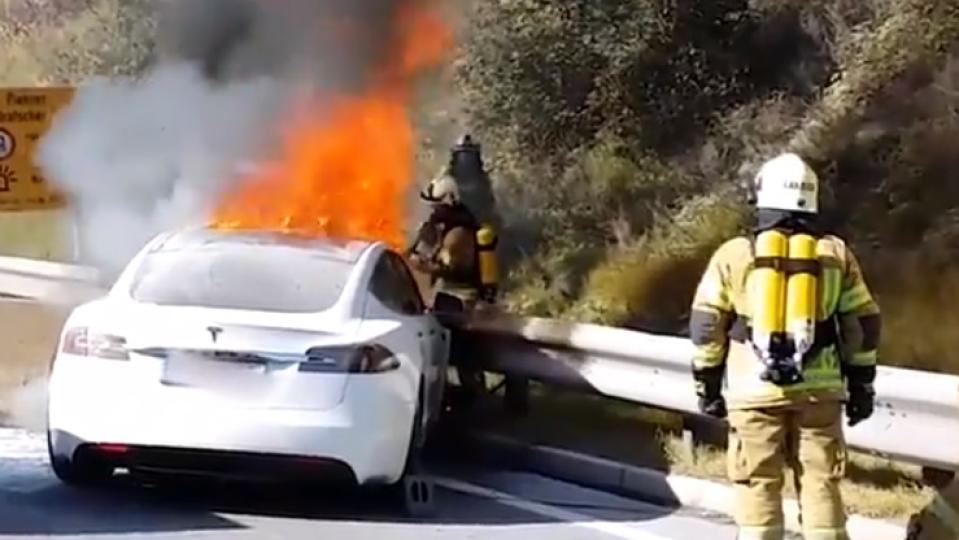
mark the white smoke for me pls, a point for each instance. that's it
(138, 157)
(27, 408)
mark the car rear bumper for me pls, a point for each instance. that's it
(369, 431)
(236, 465)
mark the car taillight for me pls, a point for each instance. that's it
(361, 359)
(373, 359)
(113, 448)
(84, 342)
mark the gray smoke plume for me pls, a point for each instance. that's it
(335, 42)
(136, 157)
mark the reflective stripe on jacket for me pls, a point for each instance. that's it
(720, 305)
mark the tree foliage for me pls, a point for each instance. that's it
(614, 121)
(69, 41)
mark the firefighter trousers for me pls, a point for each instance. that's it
(472, 379)
(808, 438)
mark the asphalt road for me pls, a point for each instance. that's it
(473, 504)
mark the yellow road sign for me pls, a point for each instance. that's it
(25, 116)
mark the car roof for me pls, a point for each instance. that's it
(345, 250)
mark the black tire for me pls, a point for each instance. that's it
(418, 434)
(516, 396)
(464, 397)
(414, 491)
(77, 473)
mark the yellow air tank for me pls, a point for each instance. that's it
(767, 290)
(802, 292)
(488, 265)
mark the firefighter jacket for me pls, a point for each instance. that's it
(846, 336)
(449, 251)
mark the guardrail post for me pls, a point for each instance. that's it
(689, 445)
(937, 478)
(701, 430)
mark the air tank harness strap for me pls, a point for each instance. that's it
(789, 266)
(826, 334)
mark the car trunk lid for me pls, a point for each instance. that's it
(253, 359)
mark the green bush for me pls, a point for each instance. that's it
(619, 128)
(649, 283)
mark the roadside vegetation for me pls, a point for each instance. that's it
(619, 132)
(621, 129)
(51, 42)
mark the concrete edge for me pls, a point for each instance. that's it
(651, 485)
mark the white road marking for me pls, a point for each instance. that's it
(573, 518)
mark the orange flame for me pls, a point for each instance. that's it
(347, 161)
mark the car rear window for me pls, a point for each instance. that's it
(242, 276)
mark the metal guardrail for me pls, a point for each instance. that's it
(916, 420)
(48, 281)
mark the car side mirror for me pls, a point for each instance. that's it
(445, 302)
(411, 307)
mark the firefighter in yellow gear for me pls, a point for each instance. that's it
(458, 254)
(466, 166)
(445, 247)
(786, 331)
(939, 520)
(465, 259)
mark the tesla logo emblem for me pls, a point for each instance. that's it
(214, 332)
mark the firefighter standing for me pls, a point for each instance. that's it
(469, 205)
(445, 249)
(785, 317)
(466, 166)
(445, 246)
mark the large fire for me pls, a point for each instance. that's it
(347, 161)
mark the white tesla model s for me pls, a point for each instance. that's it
(249, 354)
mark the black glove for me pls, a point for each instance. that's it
(709, 390)
(861, 403)
(713, 406)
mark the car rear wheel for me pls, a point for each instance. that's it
(76, 472)
(415, 490)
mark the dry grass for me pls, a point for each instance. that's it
(109, 37)
(38, 234)
(625, 432)
(29, 333)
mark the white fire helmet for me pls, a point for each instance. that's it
(787, 183)
(442, 190)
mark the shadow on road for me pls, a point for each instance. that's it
(117, 509)
(130, 506)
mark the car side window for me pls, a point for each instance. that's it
(408, 282)
(393, 285)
